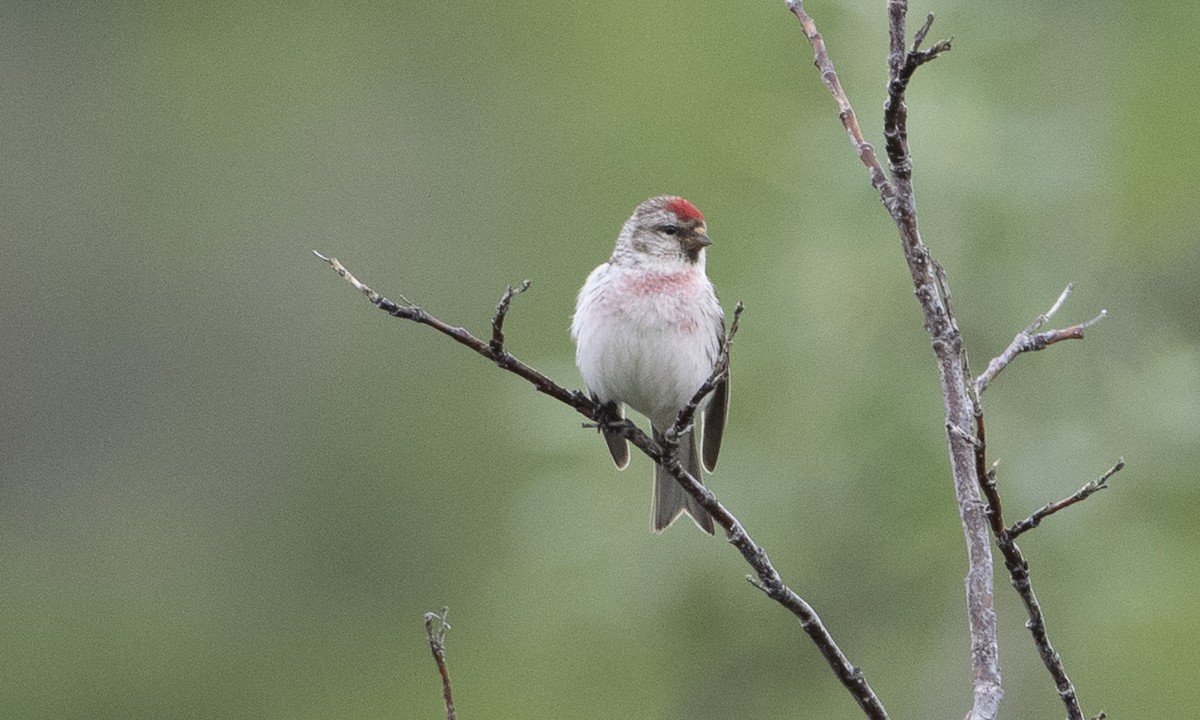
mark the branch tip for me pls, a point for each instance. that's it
(1062, 298)
(442, 626)
(733, 325)
(497, 341)
(920, 36)
(1103, 314)
(1029, 340)
(1089, 489)
(437, 646)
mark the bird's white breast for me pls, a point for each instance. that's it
(647, 339)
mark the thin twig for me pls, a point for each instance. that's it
(1041, 320)
(1082, 494)
(829, 76)
(1029, 340)
(986, 475)
(767, 578)
(497, 343)
(686, 417)
(435, 630)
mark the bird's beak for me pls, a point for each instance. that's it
(698, 241)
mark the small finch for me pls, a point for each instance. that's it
(648, 329)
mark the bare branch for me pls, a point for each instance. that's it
(866, 152)
(497, 343)
(408, 311)
(1018, 570)
(769, 579)
(931, 291)
(1041, 320)
(902, 64)
(919, 36)
(960, 393)
(1029, 340)
(1082, 494)
(435, 630)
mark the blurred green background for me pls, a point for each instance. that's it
(229, 488)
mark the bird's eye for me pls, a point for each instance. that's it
(669, 229)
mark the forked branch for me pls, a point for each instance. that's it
(1030, 340)
(931, 291)
(1014, 560)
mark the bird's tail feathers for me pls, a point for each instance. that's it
(670, 499)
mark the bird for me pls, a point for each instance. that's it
(648, 330)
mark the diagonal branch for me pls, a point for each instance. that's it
(405, 310)
(829, 76)
(766, 577)
(1080, 495)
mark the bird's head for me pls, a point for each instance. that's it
(664, 232)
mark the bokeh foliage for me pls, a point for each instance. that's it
(228, 488)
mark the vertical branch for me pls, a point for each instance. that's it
(899, 200)
(435, 630)
(932, 292)
(1006, 536)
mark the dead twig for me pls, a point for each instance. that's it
(1030, 340)
(497, 343)
(1085, 492)
(435, 630)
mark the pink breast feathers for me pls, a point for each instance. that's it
(666, 296)
(659, 283)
